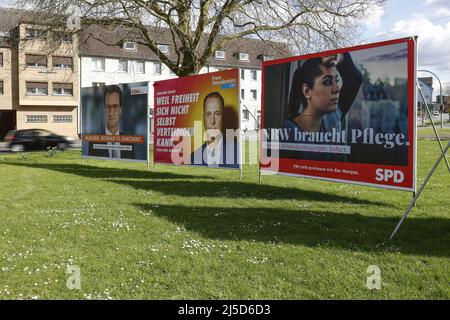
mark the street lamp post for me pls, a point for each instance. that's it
(440, 92)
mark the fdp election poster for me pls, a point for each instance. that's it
(197, 120)
(345, 115)
(115, 122)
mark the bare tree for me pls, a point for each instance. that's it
(200, 27)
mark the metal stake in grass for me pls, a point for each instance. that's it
(413, 201)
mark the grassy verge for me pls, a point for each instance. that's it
(429, 132)
(192, 233)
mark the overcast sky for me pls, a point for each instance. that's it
(428, 19)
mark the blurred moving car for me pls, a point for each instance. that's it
(36, 139)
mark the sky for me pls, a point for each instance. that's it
(427, 19)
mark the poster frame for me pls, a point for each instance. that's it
(412, 99)
(240, 168)
(112, 159)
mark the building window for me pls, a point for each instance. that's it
(1, 88)
(164, 48)
(5, 34)
(157, 68)
(243, 56)
(62, 119)
(254, 94)
(254, 75)
(129, 45)
(62, 62)
(123, 66)
(1, 60)
(220, 54)
(242, 74)
(36, 61)
(242, 94)
(35, 34)
(36, 119)
(62, 89)
(37, 88)
(245, 115)
(140, 67)
(62, 37)
(98, 64)
(98, 84)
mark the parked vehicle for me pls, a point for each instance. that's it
(436, 113)
(36, 139)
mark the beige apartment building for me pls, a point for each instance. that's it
(39, 77)
(7, 111)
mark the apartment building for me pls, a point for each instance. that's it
(40, 76)
(119, 57)
(42, 70)
(7, 103)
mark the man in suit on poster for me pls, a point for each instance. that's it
(113, 109)
(217, 151)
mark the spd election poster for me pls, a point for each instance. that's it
(346, 115)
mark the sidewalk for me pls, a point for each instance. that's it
(3, 148)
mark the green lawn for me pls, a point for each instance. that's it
(192, 233)
(427, 132)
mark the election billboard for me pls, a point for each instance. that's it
(197, 120)
(346, 115)
(115, 122)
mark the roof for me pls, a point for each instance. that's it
(427, 80)
(100, 41)
(10, 19)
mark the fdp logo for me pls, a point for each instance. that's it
(388, 175)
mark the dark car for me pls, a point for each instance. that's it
(35, 139)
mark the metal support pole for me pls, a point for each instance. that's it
(434, 127)
(259, 124)
(440, 91)
(413, 201)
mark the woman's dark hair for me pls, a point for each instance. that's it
(306, 74)
(112, 89)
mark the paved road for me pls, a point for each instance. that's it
(4, 149)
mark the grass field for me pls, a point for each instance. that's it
(192, 233)
(429, 132)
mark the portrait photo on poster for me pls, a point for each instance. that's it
(219, 149)
(114, 122)
(346, 107)
(197, 120)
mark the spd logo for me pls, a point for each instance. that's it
(388, 175)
